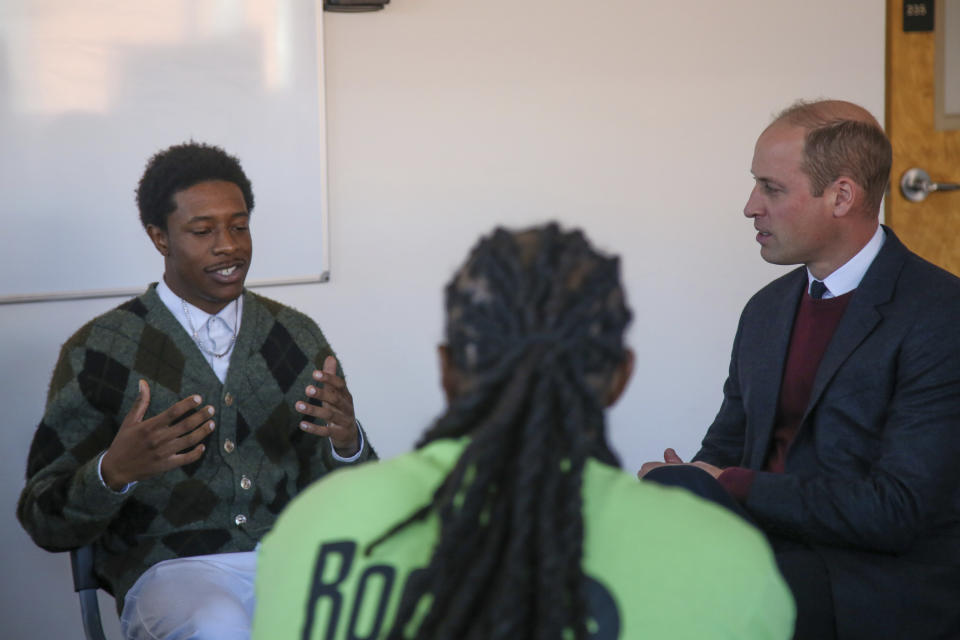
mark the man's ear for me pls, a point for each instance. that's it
(160, 239)
(620, 378)
(449, 376)
(844, 194)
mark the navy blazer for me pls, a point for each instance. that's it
(871, 479)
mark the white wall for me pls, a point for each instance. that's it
(633, 120)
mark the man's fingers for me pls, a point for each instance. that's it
(324, 412)
(316, 429)
(328, 376)
(330, 396)
(187, 457)
(192, 422)
(140, 405)
(671, 457)
(329, 379)
(328, 412)
(345, 439)
(648, 467)
(190, 434)
(337, 423)
(709, 468)
(166, 440)
(172, 413)
(330, 365)
(196, 436)
(327, 397)
(334, 405)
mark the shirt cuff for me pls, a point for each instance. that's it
(125, 488)
(354, 457)
(737, 481)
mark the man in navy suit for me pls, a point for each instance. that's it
(839, 432)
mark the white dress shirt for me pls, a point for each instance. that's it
(214, 333)
(848, 277)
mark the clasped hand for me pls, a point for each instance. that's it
(670, 457)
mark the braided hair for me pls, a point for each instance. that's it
(535, 324)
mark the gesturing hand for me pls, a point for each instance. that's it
(335, 408)
(145, 448)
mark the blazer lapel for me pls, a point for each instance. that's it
(862, 315)
(767, 365)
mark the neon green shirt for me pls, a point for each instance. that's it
(661, 563)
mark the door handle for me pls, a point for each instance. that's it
(915, 185)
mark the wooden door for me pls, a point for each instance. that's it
(930, 228)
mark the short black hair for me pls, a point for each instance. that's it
(180, 167)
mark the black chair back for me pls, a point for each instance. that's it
(86, 585)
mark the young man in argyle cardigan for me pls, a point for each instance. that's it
(179, 424)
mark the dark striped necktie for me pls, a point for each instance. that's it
(817, 289)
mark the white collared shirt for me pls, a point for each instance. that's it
(214, 332)
(848, 277)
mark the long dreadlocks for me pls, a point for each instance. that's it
(535, 323)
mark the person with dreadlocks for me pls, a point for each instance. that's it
(511, 518)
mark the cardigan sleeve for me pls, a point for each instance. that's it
(64, 504)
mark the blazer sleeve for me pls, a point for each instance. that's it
(724, 444)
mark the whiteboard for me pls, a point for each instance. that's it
(90, 89)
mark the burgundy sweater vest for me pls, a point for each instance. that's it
(814, 326)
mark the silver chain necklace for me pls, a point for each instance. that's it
(196, 334)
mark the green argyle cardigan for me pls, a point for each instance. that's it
(255, 461)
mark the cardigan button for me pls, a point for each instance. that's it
(240, 520)
(228, 445)
(245, 483)
(228, 400)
